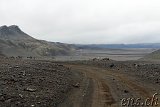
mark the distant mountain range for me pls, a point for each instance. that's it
(14, 42)
(140, 45)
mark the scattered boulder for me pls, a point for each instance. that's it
(136, 65)
(77, 85)
(126, 91)
(105, 59)
(94, 59)
(30, 89)
(112, 65)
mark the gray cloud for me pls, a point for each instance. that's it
(85, 21)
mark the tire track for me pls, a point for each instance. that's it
(137, 90)
(102, 96)
(133, 86)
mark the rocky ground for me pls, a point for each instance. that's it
(27, 83)
(90, 83)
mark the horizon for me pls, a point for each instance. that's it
(85, 22)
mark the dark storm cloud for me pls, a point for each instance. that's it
(85, 21)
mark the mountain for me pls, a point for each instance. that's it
(140, 45)
(14, 42)
(13, 33)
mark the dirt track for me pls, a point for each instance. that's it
(108, 88)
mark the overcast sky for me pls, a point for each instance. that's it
(85, 21)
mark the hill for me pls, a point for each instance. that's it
(14, 42)
(152, 56)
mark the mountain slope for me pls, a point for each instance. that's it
(14, 42)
